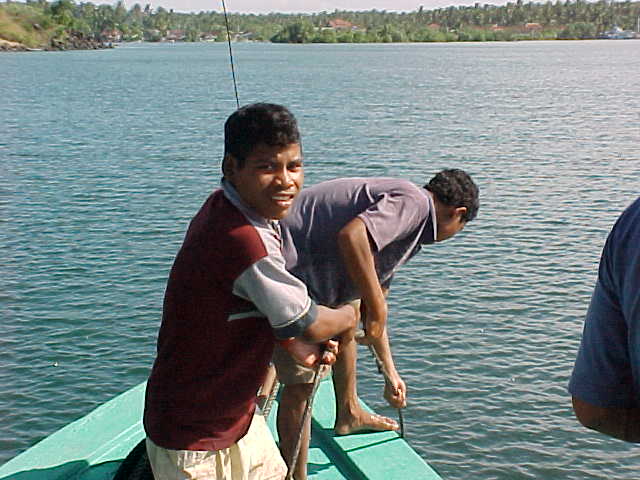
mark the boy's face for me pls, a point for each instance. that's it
(270, 178)
(446, 230)
(450, 221)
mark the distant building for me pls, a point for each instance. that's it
(532, 27)
(176, 36)
(111, 35)
(209, 36)
(153, 35)
(341, 25)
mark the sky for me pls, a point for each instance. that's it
(303, 6)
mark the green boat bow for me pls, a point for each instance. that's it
(93, 447)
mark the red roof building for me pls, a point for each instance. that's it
(339, 24)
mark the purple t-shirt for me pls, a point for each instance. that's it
(607, 369)
(399, 217)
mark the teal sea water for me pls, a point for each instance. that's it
(106, 155)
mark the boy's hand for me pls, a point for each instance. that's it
(331, 348)
(396, 392)
(310, 354)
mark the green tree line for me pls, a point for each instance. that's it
(481, 22)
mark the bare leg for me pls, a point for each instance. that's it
(293, 399)
(350, 417)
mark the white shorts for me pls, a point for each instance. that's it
(254, 457)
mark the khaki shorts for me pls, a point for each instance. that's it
(291, 372)
(254, 457)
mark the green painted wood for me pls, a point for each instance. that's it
(372, 456)
(92, 447)
(320, 464)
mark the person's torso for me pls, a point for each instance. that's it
(213, 347)
(397, 215)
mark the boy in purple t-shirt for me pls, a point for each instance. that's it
(344, 239)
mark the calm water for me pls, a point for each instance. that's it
(106, 155)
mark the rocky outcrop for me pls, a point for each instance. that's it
(77, 41)
(7, 46)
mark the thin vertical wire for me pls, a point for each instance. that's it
(233, 71)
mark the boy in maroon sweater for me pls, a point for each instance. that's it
(228, 299)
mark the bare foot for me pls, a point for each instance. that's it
(363, 422)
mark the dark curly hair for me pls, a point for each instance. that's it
(455, 188)
(257, 123)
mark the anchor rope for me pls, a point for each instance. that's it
(272, 396)
(276, 385)
(305, 418)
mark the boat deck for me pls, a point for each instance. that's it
(92, 447)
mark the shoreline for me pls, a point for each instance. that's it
(73, 43)
(76, 43)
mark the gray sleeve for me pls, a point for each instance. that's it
(278, 295)
(397, 213)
